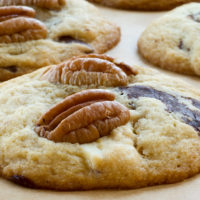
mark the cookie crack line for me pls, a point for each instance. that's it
(98, 70)
(189, 116)
(47, 4)
(83, 117)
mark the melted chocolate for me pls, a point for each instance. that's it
(194, 17)
(22, 180)
(69, 39)
(182, 47)
(194, 102)
(190, 117)
(12, 69)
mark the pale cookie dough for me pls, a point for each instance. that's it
(143, 4)
(159, 144)
(74, 29)
(172, 42)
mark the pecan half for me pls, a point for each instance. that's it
(91, 69)
(20, 27)
(83, 117)
(10, 12)
(48, 4)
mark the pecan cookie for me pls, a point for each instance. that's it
(61, 132)
(143, 4)
(172, 42)
(40, 33)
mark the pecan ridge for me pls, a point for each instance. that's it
(20, 26)
(83, 117)
(10, 12)
(48, 4)
(91, 69)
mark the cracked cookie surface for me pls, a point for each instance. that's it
(159, 144)
(172, 42)
(142, 4)
(73, 28)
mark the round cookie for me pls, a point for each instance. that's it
(143, 4)
(157, 143)
(172, 42)
(74, 28)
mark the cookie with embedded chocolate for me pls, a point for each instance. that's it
(172, 42)
(40, 33)
(58, 131)
(142, 4)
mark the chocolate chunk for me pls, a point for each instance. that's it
(194, 102)
(191, 17)
(190, 117)
(69, 39)
(12, 69)
(22, 180)
(194, 17)
(132, 105)
(181, 46)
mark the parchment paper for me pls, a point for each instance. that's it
(132, 24)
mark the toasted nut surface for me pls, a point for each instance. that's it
(77, 98)
(21, 29)
(90, 70)
(48, 4)
(9, 12)
(83, 117)
(126, 68)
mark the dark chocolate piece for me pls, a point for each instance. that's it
(195, 102)
(194, 17)
(69, 39)
(190, 117)
(191, 16)
(12, 69)
(22, 180)
(182, 47)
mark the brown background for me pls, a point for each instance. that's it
(132, 24)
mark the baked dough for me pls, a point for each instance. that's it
(159, 144)
(74, 29)
(172, 42)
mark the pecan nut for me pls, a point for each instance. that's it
(90, 70)
(83, 117)
(48, 4)
(9, 12)
(20, 26)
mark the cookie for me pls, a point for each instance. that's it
(172, 42)
(40, 33)
(142, 4)
(63, 129)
